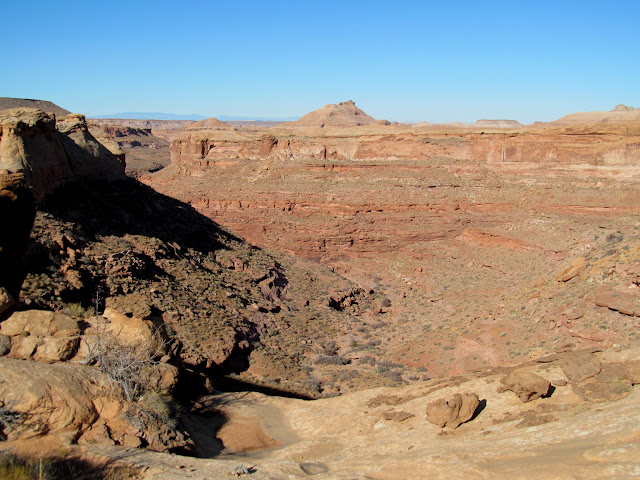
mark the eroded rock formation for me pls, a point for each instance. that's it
(50, 155)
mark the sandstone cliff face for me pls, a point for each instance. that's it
(50, 156)
(609, 145)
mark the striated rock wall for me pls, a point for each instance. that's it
(616, 145)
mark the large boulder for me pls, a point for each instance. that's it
(453, 412)
(39, 323)
(526, 385)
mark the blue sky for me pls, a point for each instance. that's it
(403, 60)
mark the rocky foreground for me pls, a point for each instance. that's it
(585, 427)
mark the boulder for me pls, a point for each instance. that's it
(39, 323)
(56, 349)
(24, 347)
(526, 385)
(52, 399)
(134, 331)
(453, 412)
(161, 378)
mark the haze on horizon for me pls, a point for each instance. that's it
(407, 61)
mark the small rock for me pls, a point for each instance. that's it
(53, 349)
(132, 441)
(576, 267)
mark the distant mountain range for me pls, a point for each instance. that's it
(171, 116)
(230, 118)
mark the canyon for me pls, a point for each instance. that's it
(463, 230)
(489, 273)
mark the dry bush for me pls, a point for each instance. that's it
(126, 364)
(327, 360)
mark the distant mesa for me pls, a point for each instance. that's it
(623, 108)
(45, 106)
(621, 113)
(210, 124)
(344, 114)
(484, 123)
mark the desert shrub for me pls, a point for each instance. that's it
(615, 237)
(331, 360)
(152, 411)
(313, 385)
(387, 366)
(392, 375)
(76, 310)
(127, 365)
(368, 360)
(345, 375)
(379, 324)
(330, 349)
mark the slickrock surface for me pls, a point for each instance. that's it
(564, 436)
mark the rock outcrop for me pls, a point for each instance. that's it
(50, 155)
(623, 108)
(76, 403)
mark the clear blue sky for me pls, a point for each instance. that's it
(403, 60)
